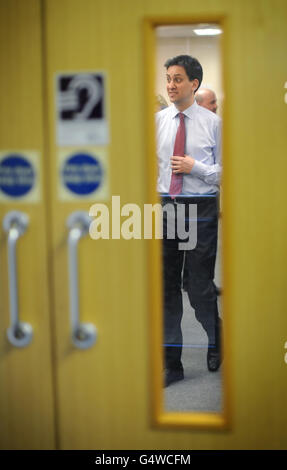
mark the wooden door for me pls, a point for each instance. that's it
(104, 398)
(27, 395)
(104, 394)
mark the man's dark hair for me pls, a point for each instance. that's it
(191, 65)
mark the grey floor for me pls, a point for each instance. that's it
(201, 390)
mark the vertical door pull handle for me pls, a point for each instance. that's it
(19, 334)
(83, 334)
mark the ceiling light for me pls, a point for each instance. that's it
(207, 31)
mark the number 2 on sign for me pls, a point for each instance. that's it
(285, 357)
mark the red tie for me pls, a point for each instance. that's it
(177, 178)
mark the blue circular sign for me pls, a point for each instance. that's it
(82, 174)
(17, 176)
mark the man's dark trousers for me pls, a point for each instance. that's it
(200, 264)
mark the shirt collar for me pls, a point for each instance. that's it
(189, 112)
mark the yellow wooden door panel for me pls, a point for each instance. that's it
(93, 376)
(104, 394)
(26, 390)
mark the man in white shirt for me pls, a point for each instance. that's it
(200, 170)
(206, 98)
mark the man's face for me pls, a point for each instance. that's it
(209, 101)
(179, 88)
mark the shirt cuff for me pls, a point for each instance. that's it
(198, 169)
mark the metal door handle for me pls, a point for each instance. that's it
(19, 334)
(83, 334)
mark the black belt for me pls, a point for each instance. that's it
(165, 199)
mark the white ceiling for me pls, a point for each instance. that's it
(180, 31)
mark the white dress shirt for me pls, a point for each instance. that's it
(203, 143)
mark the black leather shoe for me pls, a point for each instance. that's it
(213, 360)
(172, 375)
(218, 291)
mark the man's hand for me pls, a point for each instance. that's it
(181, 164)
